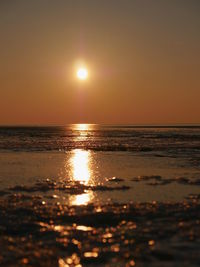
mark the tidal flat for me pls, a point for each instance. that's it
(35, 232)
(39, 229)
(99, 196)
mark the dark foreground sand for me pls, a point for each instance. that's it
(34, 232)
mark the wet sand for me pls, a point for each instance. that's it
(147, 177)
(101, 197)
(38, 229)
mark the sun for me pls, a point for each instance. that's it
(82, 74)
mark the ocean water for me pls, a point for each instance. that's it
(94, 195)
(154, 163)
(164, 139)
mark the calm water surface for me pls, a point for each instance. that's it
(92, 154)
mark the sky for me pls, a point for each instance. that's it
(142, 56)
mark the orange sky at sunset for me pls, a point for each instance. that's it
(142, 59)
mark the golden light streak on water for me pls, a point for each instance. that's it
(80, 163)
(82, 127)
(82, 199)
(81, 167)
(81, 172)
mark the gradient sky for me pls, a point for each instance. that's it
(143, 58)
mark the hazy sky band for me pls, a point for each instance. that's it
(143, 58)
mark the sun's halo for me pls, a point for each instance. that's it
(82, 74)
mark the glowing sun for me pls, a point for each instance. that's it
(82, 74)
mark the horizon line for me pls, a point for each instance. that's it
(138, 125)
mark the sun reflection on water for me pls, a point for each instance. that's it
(81, 166)
(82, 127)
(82, 130)
(81, 172)
(82, 199)
(80, 162)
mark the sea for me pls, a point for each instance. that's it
(100, 195)
(94, 154)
